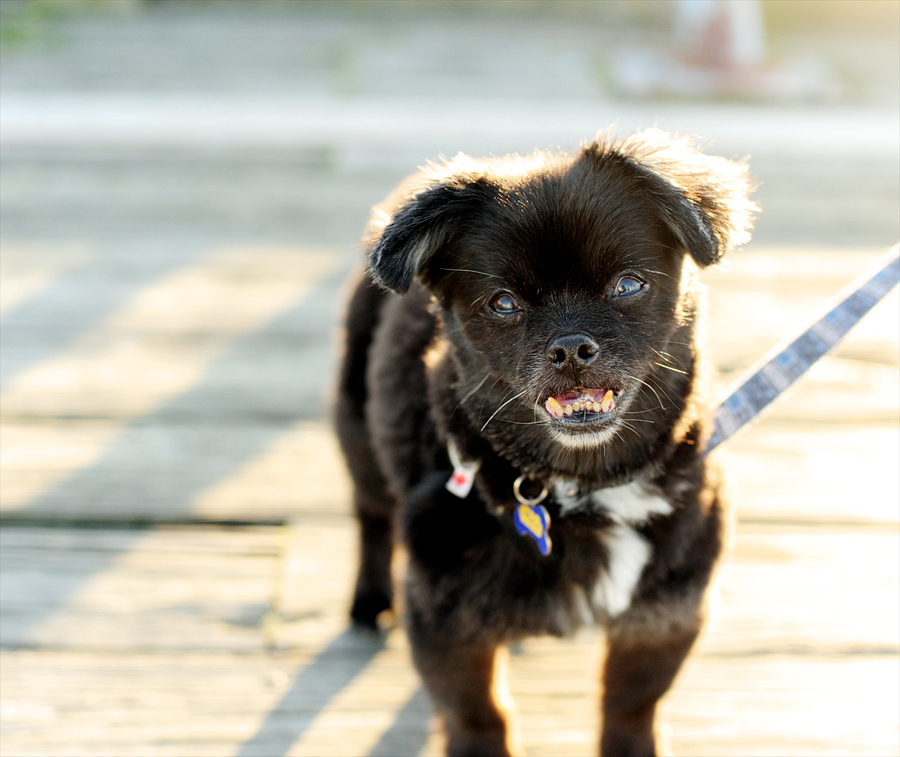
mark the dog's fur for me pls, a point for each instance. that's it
(636, 516)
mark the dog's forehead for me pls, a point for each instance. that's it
(553, 232)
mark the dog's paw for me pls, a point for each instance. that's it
(367, 606)
(479, 745)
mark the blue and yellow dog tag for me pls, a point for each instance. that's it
(534, 521)
(531, 517)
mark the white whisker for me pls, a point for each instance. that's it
(501, 407)
(469, 270)
(670, 368)
(471, 392)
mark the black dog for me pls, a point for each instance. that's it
(529, 325)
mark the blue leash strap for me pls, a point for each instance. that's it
(777, 373)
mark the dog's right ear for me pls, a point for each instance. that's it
(423, 224)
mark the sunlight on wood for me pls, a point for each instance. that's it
(160, 343)
(34, 457)
(158, 346)
(363, 710)
(301, 472)
(170, 589)
(28, 268)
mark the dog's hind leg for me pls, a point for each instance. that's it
(373, 503)
(374, 590)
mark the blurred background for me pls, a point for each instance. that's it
(182, 187)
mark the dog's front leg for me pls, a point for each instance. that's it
(462, 681)
(639, 669)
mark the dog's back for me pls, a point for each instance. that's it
(383, 424)
(373, 503)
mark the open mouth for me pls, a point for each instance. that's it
(583, 406)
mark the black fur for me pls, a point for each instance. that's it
(561, 235)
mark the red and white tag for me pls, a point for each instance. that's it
(463, 478)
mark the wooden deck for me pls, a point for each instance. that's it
(136, 621)
(182, 187)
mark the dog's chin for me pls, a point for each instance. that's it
(583, 439)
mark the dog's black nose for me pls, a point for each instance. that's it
(575, 350)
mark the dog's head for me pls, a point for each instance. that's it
(562, 281)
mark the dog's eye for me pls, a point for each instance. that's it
(627, 286)
(505, 304)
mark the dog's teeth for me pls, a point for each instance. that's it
(584, 405)
(607, 401)
(555, 408)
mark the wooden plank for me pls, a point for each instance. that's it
(829, 592)
(785, 707)
(102, 703)
(35, 457)
(27, 268)
(302, 471)
(165, 589)
(761, 295)
(261, 473)
(203, 640)
(101, 463)
(256, 462)
(813, 473)
(316, 580)
(782, 705)
(233, 469)
(161, 342)
(63, 703)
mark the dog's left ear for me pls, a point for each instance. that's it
(703, 200)
(404, 244)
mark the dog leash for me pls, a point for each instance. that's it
(774, 375)
(753, 395)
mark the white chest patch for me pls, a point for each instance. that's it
(633, 502)
(628, 505)
(628, 554)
